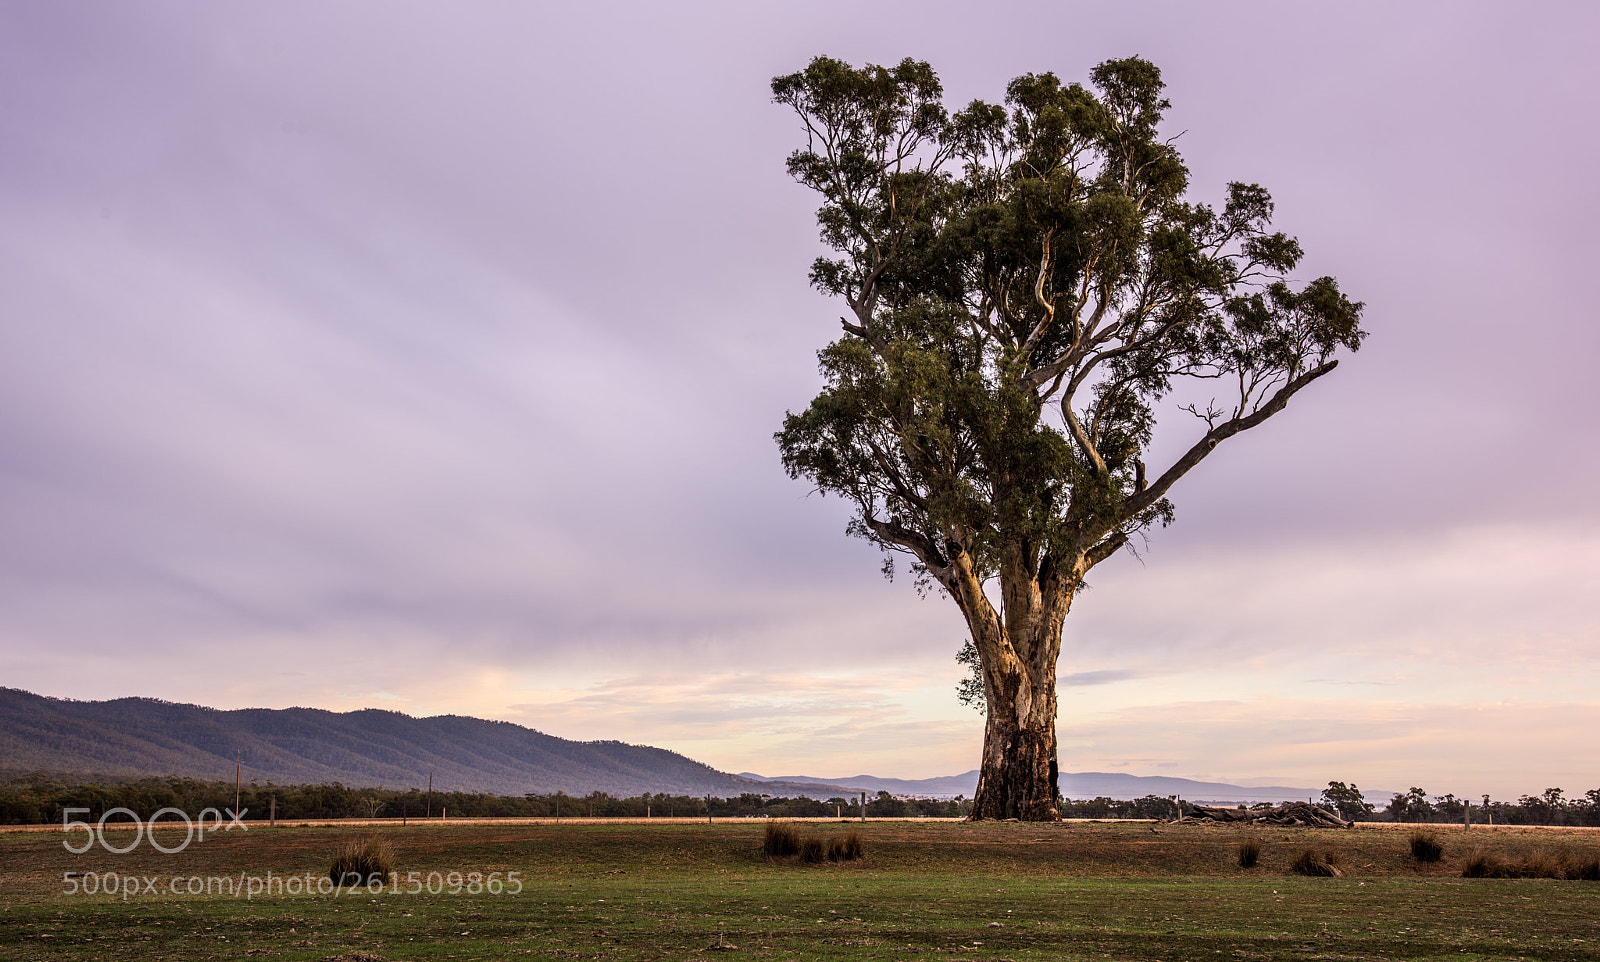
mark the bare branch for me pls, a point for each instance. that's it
(1141, 502)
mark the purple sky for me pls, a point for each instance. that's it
(381, 354)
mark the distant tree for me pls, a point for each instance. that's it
(1547, 808)
(1411, 806)
(1025, 283)
(1347, 800)
(886, 806)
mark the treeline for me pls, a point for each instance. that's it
(1550, 807)
(43, 799)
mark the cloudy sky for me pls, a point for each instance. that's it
(427, 357)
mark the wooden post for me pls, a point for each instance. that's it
(708, 809)
(863, 806)
(429, 812)
(272, 818)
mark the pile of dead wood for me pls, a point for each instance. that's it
(1289, 813)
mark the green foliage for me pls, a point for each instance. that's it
(969, 690)
(1347, 800)
(40, 799)
(1026, 283)
(1410, 806)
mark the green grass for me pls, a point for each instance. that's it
(991, 891)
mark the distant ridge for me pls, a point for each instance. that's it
(140, 737)
(1081, 785)
(137, 737)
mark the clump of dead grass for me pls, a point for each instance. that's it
(780, 841)
(846, 849)
(1249, 852)
(1538, 863)
(1320, 863)
(367, 862)
(1426, 847)
(812, 851)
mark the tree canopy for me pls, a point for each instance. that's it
(1025, 283)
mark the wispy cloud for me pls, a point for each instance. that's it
(350, 359)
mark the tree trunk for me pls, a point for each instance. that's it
(1018, 779)
(1018, 652)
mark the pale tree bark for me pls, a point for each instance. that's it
(1018, 651)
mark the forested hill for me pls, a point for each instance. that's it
(133, 737)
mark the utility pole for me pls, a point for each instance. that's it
(238, 772)
(429, 813)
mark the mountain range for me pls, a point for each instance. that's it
(1082, 785)
(139, 737)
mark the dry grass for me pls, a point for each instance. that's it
(1322, 863)
(1426, 847)
(780, 840)
(813, 852)
(1537, 863)
(1249, 852)
(846, 849)
(362, 863)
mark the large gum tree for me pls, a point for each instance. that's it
(1024, 285)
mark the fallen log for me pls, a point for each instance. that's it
(1289, 813)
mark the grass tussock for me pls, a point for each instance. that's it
(812, 851)
(1319, 863)
(1539, 863)
(1426, 847)
(847, 848)
(366, 862)
(1484, 864)
(1249, 852)
(780, 841)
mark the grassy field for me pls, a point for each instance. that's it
(923, 891)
